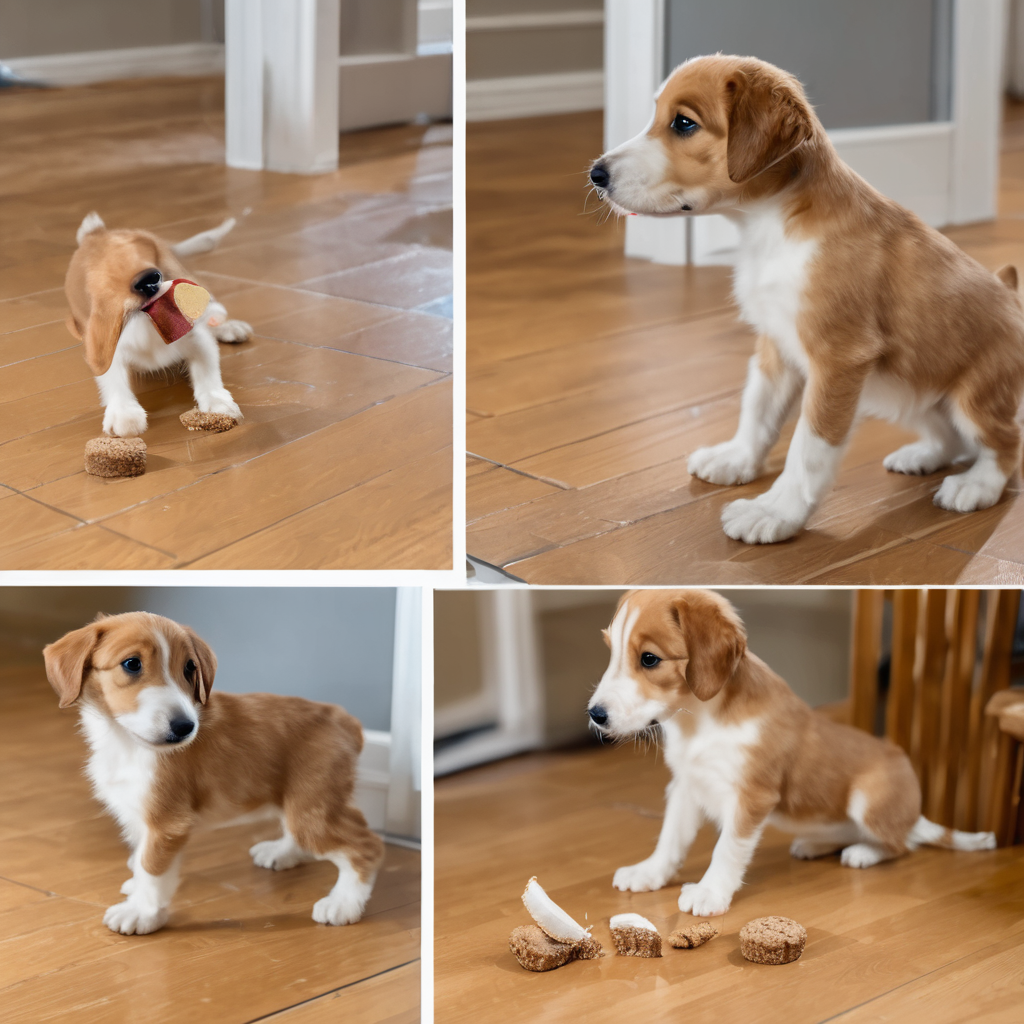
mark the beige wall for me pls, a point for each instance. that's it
(34, 28)
(458, 666)
(514, 52)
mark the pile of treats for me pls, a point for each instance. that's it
(557, 938)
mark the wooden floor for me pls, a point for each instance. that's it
(344, 458)
(241, 944)
(935, 937)
(592, 377)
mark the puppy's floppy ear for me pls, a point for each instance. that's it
(715, 642)
(107, 315)
(206, 666)
(66, 661)
(767, 121)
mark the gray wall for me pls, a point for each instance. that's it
(324, 643)
(872, 62)
(34, 28)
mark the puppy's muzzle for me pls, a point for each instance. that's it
(599, 176)
(179, 729)
(598, 715)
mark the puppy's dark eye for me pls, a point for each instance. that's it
(147, 284)
(133, 666)
(649, 660)
(190, 669)
(683, 125)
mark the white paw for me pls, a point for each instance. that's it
(219, 401)
(757, 521)
(966, 492)
(862, 855)
(128, 919)
(703, 901)
(808, 849)
(344, 909)
(128, 887)
(647, 876)
(277, 854)
(726, 463)
(124, 420)
(231, 331)
(919, 458)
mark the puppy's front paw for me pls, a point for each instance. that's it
(647, 876)
(970, 491)
(232, 331)
(726, 463)
(757, 521)
(276, 854)
(344, 909)
(702, 901)
(124, 420)
(128, 919)
(219, 401)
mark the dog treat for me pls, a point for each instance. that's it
(557, 924)
(176, 308)
(634, 935)
(537, 951)
(693, 936)
(772, 940)
(115, 456)
(211, 422)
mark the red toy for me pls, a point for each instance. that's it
(176, 308)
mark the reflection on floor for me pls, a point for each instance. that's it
(344, 457)
(241, 943)
(933, 937)
(592, 377)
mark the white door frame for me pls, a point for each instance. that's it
(946, 172)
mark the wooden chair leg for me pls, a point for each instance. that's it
(865, 648)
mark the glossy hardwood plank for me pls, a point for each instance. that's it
(590, 370)
(150, 154)
(240, 943)
(572, 818)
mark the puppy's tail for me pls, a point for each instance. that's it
(1008, 275)
(205, 241)
(927, 833)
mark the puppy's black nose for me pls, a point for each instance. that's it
(182, 727)
(598, 715)
(599, 175)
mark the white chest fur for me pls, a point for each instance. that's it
(710, 760)
(121, 771)
(770, 277)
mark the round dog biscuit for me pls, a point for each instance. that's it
(772, 940)
(115, 456)
(210, 422)
(537, 951)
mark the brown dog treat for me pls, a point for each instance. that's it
(537, 951)
(634, 935)
(211, 422)
(588, 949)
(693, 935)
(115, 456)
(772, 940)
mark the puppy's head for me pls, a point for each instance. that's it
(719, 122)
(147, 673)
(667, 647)
(112, 275)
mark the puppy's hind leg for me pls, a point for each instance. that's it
(347, 842)
(279, 854)
(940, 445)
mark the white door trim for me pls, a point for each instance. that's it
(405, 780)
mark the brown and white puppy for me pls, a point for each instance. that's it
(860, 308)
(112, 275)
(746, 752)
(169, 757)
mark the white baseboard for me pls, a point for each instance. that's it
(494, 99)
(107, 65)
(373, 778)
(378, 89)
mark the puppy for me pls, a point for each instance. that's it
(860, 308)
(746, 752)
(112, 275)
(170, 757)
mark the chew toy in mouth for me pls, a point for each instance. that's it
(177, 306)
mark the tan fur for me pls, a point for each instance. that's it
(98, 286)
(804, 765)
(884, 292)
(250, 750)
